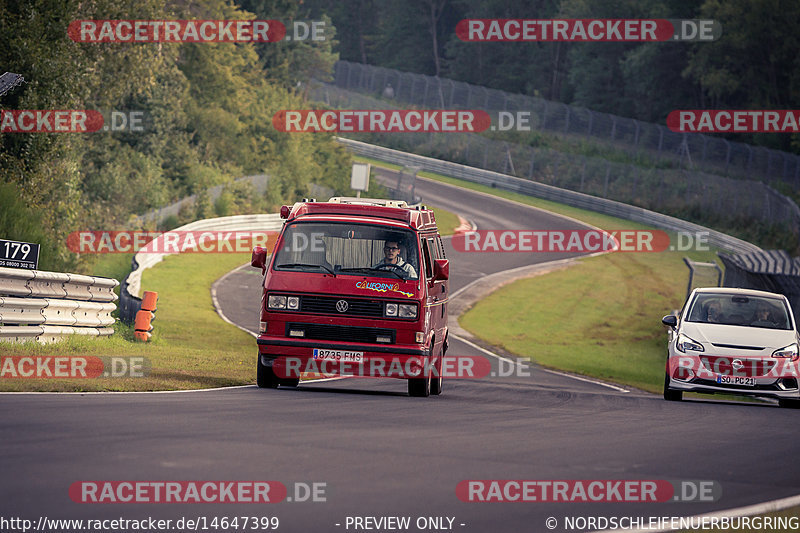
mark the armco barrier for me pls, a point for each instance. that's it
(48, 306)
(547, 192)
(131, 302)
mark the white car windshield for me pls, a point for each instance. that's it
(739, 310)
(349, 249)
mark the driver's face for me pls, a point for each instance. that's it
(391, 251)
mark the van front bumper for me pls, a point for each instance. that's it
(290, 358)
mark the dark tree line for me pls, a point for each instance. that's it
(753, 66)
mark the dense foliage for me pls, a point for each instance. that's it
(208, 110)
(754, 66)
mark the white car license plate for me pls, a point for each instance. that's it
(736, 380)
(338, 355)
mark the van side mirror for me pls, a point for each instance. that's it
(670, 320)
(259, 258)
(441, 269)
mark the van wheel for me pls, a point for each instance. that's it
(791, 404)
(436, 382)
(420, 387)
(265, 376)
(669, 394)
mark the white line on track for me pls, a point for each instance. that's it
(217, 307)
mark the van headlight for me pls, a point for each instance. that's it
(391, 309)
(685, 343)
(408, 311)
(276, 301)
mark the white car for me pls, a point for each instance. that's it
(735, 341)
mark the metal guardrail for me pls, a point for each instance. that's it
(48, 306)
(130, 299)
(771, 270)
(548, 192)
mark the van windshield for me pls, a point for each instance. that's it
(348, 249)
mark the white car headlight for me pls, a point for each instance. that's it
(684, 343)
(391, 309)
(790, 351)
(293, 302)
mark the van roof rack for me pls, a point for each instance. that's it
(368, 201)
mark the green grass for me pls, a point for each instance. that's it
(446, 221)
(600, 318)
(191, 346)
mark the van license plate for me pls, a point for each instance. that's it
(338, 355)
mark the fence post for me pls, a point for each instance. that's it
(530, 170)
(544, 116)
(583, 173)
(749, 159)
(727, 155)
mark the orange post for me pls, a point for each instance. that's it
(144, 318)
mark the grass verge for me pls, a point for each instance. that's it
(191, 346)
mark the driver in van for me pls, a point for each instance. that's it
(391, 256)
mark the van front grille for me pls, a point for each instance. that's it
(341, 333)
(355, 306)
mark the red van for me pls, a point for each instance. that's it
(354, 287)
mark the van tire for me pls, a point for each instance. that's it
(420, 387)
(438, 381)
(265, 376)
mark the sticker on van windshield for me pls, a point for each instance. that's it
(382, 287)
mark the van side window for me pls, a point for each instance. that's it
(440, 248)
(427, 249)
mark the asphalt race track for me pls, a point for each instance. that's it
(381, 453)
